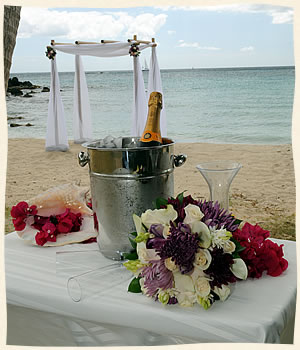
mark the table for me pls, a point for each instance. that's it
(41, 313)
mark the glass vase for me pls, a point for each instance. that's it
(219, 175)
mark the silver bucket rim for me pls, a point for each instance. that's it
(89, 145)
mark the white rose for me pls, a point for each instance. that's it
(202, 259)
(228, 247)
(203, 233)
(186, 299)
(223, 292)
(159, 216)
(239, 269)
(202, 287)
(144, 254)
(183, 283)
(170, 265)
(192, 213)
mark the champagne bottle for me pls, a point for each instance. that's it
(151, 135)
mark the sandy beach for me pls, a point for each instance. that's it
(262, 192)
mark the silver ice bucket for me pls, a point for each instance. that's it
(125, 181)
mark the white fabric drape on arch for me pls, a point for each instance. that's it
(154, 84)
(82, 119)
(56, 136)
(82, 122)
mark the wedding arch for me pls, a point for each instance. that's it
(56, 136)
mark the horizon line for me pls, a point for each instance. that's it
(161, 69)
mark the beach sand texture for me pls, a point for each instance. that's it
(263, 189)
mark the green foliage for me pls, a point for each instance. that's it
(131, 256)
(134, 286)
(160, 202)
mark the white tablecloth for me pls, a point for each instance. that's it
(40, 311)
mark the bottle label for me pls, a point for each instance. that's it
(149, 136)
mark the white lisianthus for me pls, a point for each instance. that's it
(192, 213)
(202, 287)
(170, 265)
(138, 224)
(197, 273)
(186, 299)
(159, 216)
(144, 254)
(239, 269)
(203, 233)
(183, 283)
(202, 259)
(229, 247)
(223, 293)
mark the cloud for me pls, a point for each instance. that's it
(196, 45)
(279, 14)
(171, 32)
(247, 48)
(90, 25)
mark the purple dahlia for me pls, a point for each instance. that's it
(156, 276)
(219, 268)
(181, 246)
(214, 216)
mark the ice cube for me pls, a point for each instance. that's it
(118, 142)
(108, 139)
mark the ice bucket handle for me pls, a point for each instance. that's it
(179, 160)
(83, 158)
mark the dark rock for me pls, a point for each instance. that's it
(15, 91)
(13, 125)
(27, 95)
(26, 83)
(13, 82)
(28, 124)
(11, 118)
(45, 89)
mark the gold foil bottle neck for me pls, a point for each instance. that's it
(155, 99)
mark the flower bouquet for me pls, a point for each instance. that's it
(59, 216)
(187, 251)
(50, 53)
(134, 50)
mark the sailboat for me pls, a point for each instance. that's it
(145, 67)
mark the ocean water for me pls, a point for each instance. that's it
(224, 105)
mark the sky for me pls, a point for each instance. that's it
(237, 35)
